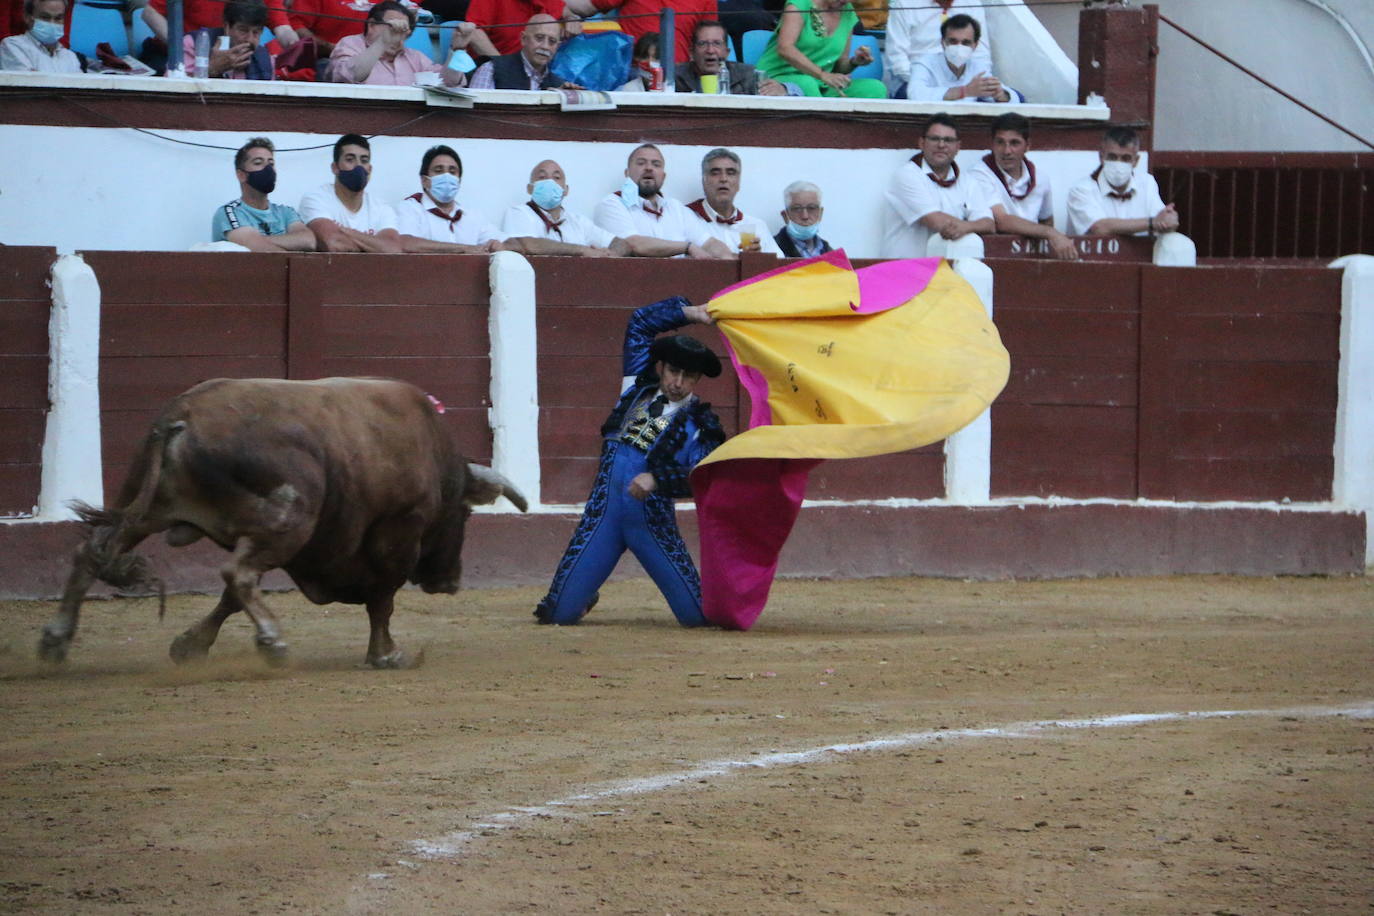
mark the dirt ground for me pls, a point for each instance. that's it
(628, 766)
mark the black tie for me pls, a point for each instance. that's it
(656, 405)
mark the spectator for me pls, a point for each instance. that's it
(640, 209)
(709, 53)
(720, 175)
(527, 68)
(328, 21)
(40, 48)
(431, 221)
(341, 214)
(1114, 200)
(928, 195)
(802, 212)
(380, 57)
(496, 18)
(1022, 202)
(639, 17)
(245, 58)
(253, 221)
(950, 75)
(810, 50)
(642, 63)
(913, 31)
(209, 14)
(543, 216)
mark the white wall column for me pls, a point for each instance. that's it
(1352, 485)
(71, 441)
(514, 411)
(968, 453)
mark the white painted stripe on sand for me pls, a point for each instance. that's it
(453, 844)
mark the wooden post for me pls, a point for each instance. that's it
(1117, 47)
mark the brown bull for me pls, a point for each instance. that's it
(352, 486)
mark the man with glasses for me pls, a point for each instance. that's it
(929, 196)
(708, 70)
(379, 56)
(801, 214)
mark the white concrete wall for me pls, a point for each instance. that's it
(1203, 103)
(141, 192)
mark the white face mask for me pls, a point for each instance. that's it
(1118, 174)
(957, 55)
(629, 193)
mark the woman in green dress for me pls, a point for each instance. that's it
(810, 49)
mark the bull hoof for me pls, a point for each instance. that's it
(273, 651)
(398, 659)
(188, 648)
(52, 647)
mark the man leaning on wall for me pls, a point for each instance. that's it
(252, 220)
(1118, 198)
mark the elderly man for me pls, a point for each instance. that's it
(710, 49)
(498, 17)
(527, 68)
(544, 216)
(953, 74)
(341, 214)
(1115, 199)
(929, 196)
(1021, 200)
(253, 221)
(379, 56)
(913, 31)
(658, 431)
(639, 208)
(801, 214)
(720, 175)
(245, 58)
(40, 48)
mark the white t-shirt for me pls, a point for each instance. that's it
(420, 216)
(372, 217)
(729, 234)
(674, 223)
(1089, 201)
(24, 52)
(912, 194)
(575, 229)
(1032, 201)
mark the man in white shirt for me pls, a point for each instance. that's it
(40, 49)
(1022, 202)
(640, 209)
(341, 214)
(952, 74)
(431, 222)
(720, 174)
(928, 196)
(913, 31)
(544, 216)
(1115, 199)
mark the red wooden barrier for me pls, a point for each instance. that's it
(25, 303)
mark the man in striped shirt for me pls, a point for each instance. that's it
(253, 221)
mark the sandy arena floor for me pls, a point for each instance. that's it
(627, 766)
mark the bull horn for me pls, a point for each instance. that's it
(486, 485)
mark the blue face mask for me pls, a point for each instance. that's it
(803, 233)
(547, 194)
(444, 187)
(629, 193)
(355, 179)
(46, 33)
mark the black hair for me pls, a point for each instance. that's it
(440, 150)
(1012, 121)
(940, 118)
(1122, 136)
(251, 13)
(961, 21)
(351, 140)
(379, 11)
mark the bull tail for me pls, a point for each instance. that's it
(485, 486)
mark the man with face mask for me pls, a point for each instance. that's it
(953, 74)
(544, 216)
(341, 214)
(801, 213)
(640, 209)
(913, 31)
(720, 176)
(1116, 199)
(40, 49)
(253, 221)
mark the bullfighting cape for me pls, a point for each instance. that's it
(838, 363)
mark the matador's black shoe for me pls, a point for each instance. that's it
(544, 614)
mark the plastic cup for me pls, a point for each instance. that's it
(710, 83)
(746, 239)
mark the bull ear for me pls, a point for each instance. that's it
(485, 486)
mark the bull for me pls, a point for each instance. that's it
(353, 486)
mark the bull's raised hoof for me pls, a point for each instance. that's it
(190, 646)
(52, 646)
(272, 650)
(397, 659)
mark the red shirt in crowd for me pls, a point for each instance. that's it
(486, 13)
(687, 14)
(307, 14)
(209, 14)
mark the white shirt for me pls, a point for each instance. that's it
(24, 52)
(730, 234)
(931, 78)
(1032, 203)
(575, 229)
(675, 224)
(1089, 201)
(913, 30)
(415, 216)
(372, 217)
(912, 194)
